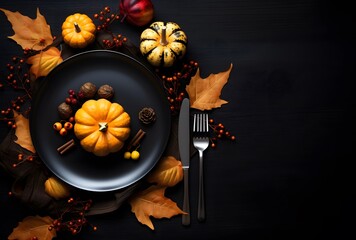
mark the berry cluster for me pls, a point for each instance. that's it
(72, 98)
(19, 80)
(175, 82)
(219, 133)
(115, 42)
(105, 18)
(62, 127)
(21, 158)
(72, 218)
(65, 109)
(134, 155)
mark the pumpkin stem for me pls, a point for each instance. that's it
(164, 41)
(103, 127)
(77, 28)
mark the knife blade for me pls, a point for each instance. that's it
(184, 151)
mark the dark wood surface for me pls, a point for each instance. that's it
(291, 92)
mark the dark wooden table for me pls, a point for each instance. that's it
(291, 94)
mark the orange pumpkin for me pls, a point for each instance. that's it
(101, 126)
(78, 30)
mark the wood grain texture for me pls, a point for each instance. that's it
(291, 95)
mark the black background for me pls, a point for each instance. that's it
(291, 174)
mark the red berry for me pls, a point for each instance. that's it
(74, 101)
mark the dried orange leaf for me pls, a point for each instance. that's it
(204, 94)
(167, 173)
(33, 227)
(44, 62)
(152, 202)
(29, 33)
(23, 132)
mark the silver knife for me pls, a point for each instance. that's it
(184, 151)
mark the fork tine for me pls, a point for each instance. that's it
(201, 125)
(197, 124)
(207, 123)
(194, 123)
(204, 123)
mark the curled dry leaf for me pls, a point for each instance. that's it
(29, 33)
(152, 202)
(167, 173)
(204, 94)
(56, 188)
(44, 62)
(22, 132)
(33, 227)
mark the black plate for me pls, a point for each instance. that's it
(135, 87)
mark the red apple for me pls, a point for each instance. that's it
(136, 12)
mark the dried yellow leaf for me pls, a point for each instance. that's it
(34, 227)
(44, 62)
(29, 33)
(167, 173)
(152, 202)
(22, 132)
(204, 94)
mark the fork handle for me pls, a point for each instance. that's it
(201, 198)
(186, 206)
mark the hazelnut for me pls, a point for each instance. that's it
(87, 90)
(65, 110)
(106, 91)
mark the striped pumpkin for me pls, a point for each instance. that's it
(163, 43)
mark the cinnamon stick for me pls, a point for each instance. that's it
(65, 147)
(136, 139)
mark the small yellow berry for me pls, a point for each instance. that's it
(135, 155)
(127, 155)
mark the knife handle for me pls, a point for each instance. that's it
(186, 207)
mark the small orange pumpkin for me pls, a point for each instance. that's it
(101, 126)
(78, 30)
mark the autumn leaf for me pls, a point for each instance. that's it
(204, 94)
(44, 62)
(152, 202)
(167, 173)
(29, 33)
(33, 227)
(22, 132)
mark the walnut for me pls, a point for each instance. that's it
(87, 90)
(106, 91)
(65, 110)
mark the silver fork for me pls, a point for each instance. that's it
(201, 142)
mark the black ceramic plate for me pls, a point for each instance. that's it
(135, 87)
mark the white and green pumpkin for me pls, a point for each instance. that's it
(163, 43)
